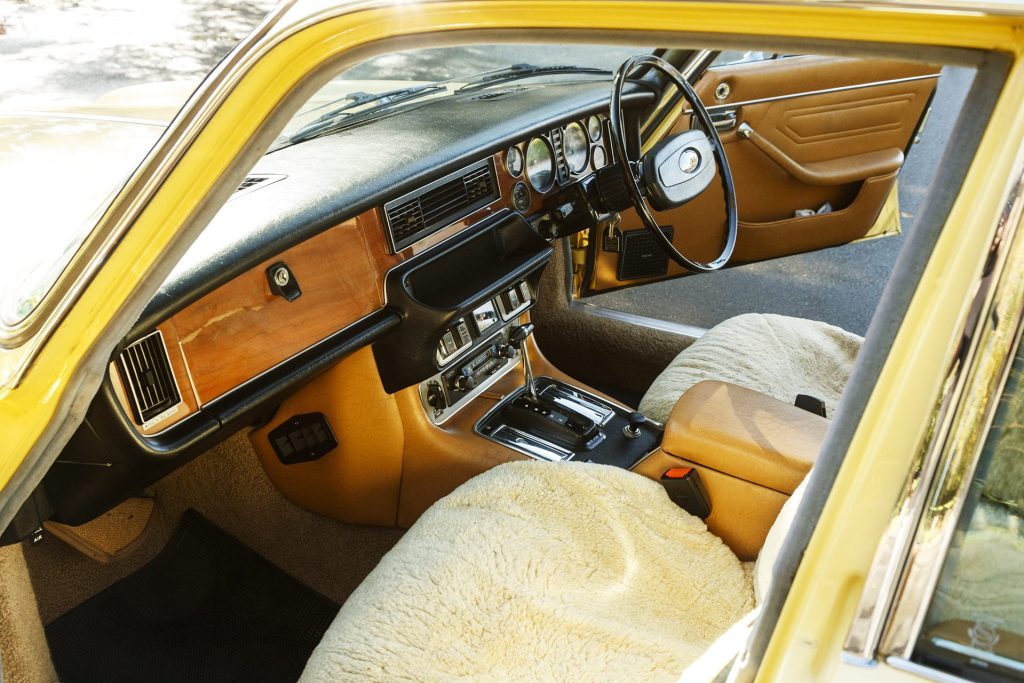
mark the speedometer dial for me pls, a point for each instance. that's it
(540, 164)
(576, 144)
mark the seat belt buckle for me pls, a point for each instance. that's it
(685, 488)
(811, 404)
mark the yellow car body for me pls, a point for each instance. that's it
(61, 353)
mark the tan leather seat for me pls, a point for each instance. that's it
(773, 354)
(541, 571)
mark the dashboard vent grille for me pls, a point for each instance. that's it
(251, 181)
(256, 181)
(562, 170)
(442, 202)
(146, 372)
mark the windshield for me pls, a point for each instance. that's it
(65, 165)
(401, 72)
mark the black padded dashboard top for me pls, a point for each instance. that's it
(335, 177)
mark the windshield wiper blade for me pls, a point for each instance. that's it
(343, 116)
(518, 71)
(326, 122)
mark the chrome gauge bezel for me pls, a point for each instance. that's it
(576, 157)
(542, 146)
(512, 155)
(596, 163)
(593, 127)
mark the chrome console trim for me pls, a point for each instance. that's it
(440, 417)
(532, 445)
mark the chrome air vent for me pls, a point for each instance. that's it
(424, 211)
(146, 372)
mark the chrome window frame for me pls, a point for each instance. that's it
(905, 571)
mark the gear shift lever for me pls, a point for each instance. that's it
(517, 337)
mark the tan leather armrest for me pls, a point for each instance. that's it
(745, 434)
(832, 172)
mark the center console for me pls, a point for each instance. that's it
(564, 422)
(546, 418)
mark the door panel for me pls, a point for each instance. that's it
(819, 130)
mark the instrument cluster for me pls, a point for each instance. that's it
(560, 155)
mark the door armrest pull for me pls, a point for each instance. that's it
(850, 169)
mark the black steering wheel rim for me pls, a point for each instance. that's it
(631, 168)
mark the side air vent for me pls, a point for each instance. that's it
(146, 373)
(424, 211)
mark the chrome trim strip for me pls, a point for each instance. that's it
(825, 91)
(975, 653)
(914, 668)
(908, 561)
(588, 308)
(530, 445)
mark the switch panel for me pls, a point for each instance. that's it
(514, 300)
(302, 438)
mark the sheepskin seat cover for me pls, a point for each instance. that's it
(774, 354)
(540, 572)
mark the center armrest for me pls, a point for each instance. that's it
(745, 434)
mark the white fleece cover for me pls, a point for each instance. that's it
(540, 572)
(774, 354)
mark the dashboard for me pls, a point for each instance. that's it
(416, 234)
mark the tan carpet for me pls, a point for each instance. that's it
(23, 650)
(540, 572)
(228, 486)
(773, 354)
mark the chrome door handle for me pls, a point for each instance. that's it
(724, 119)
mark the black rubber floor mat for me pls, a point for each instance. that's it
(207, 608)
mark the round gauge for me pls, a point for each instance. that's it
(521, 197)
(576, 145)
(598, 158)
(540, 164)
(594, 128)
(514, 161)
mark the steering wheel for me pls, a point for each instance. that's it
(675, 170)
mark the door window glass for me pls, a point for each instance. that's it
(976, 618)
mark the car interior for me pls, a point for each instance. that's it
(371, 426)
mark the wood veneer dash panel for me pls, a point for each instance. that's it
(241, 329)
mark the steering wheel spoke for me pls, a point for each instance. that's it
(675, 170)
